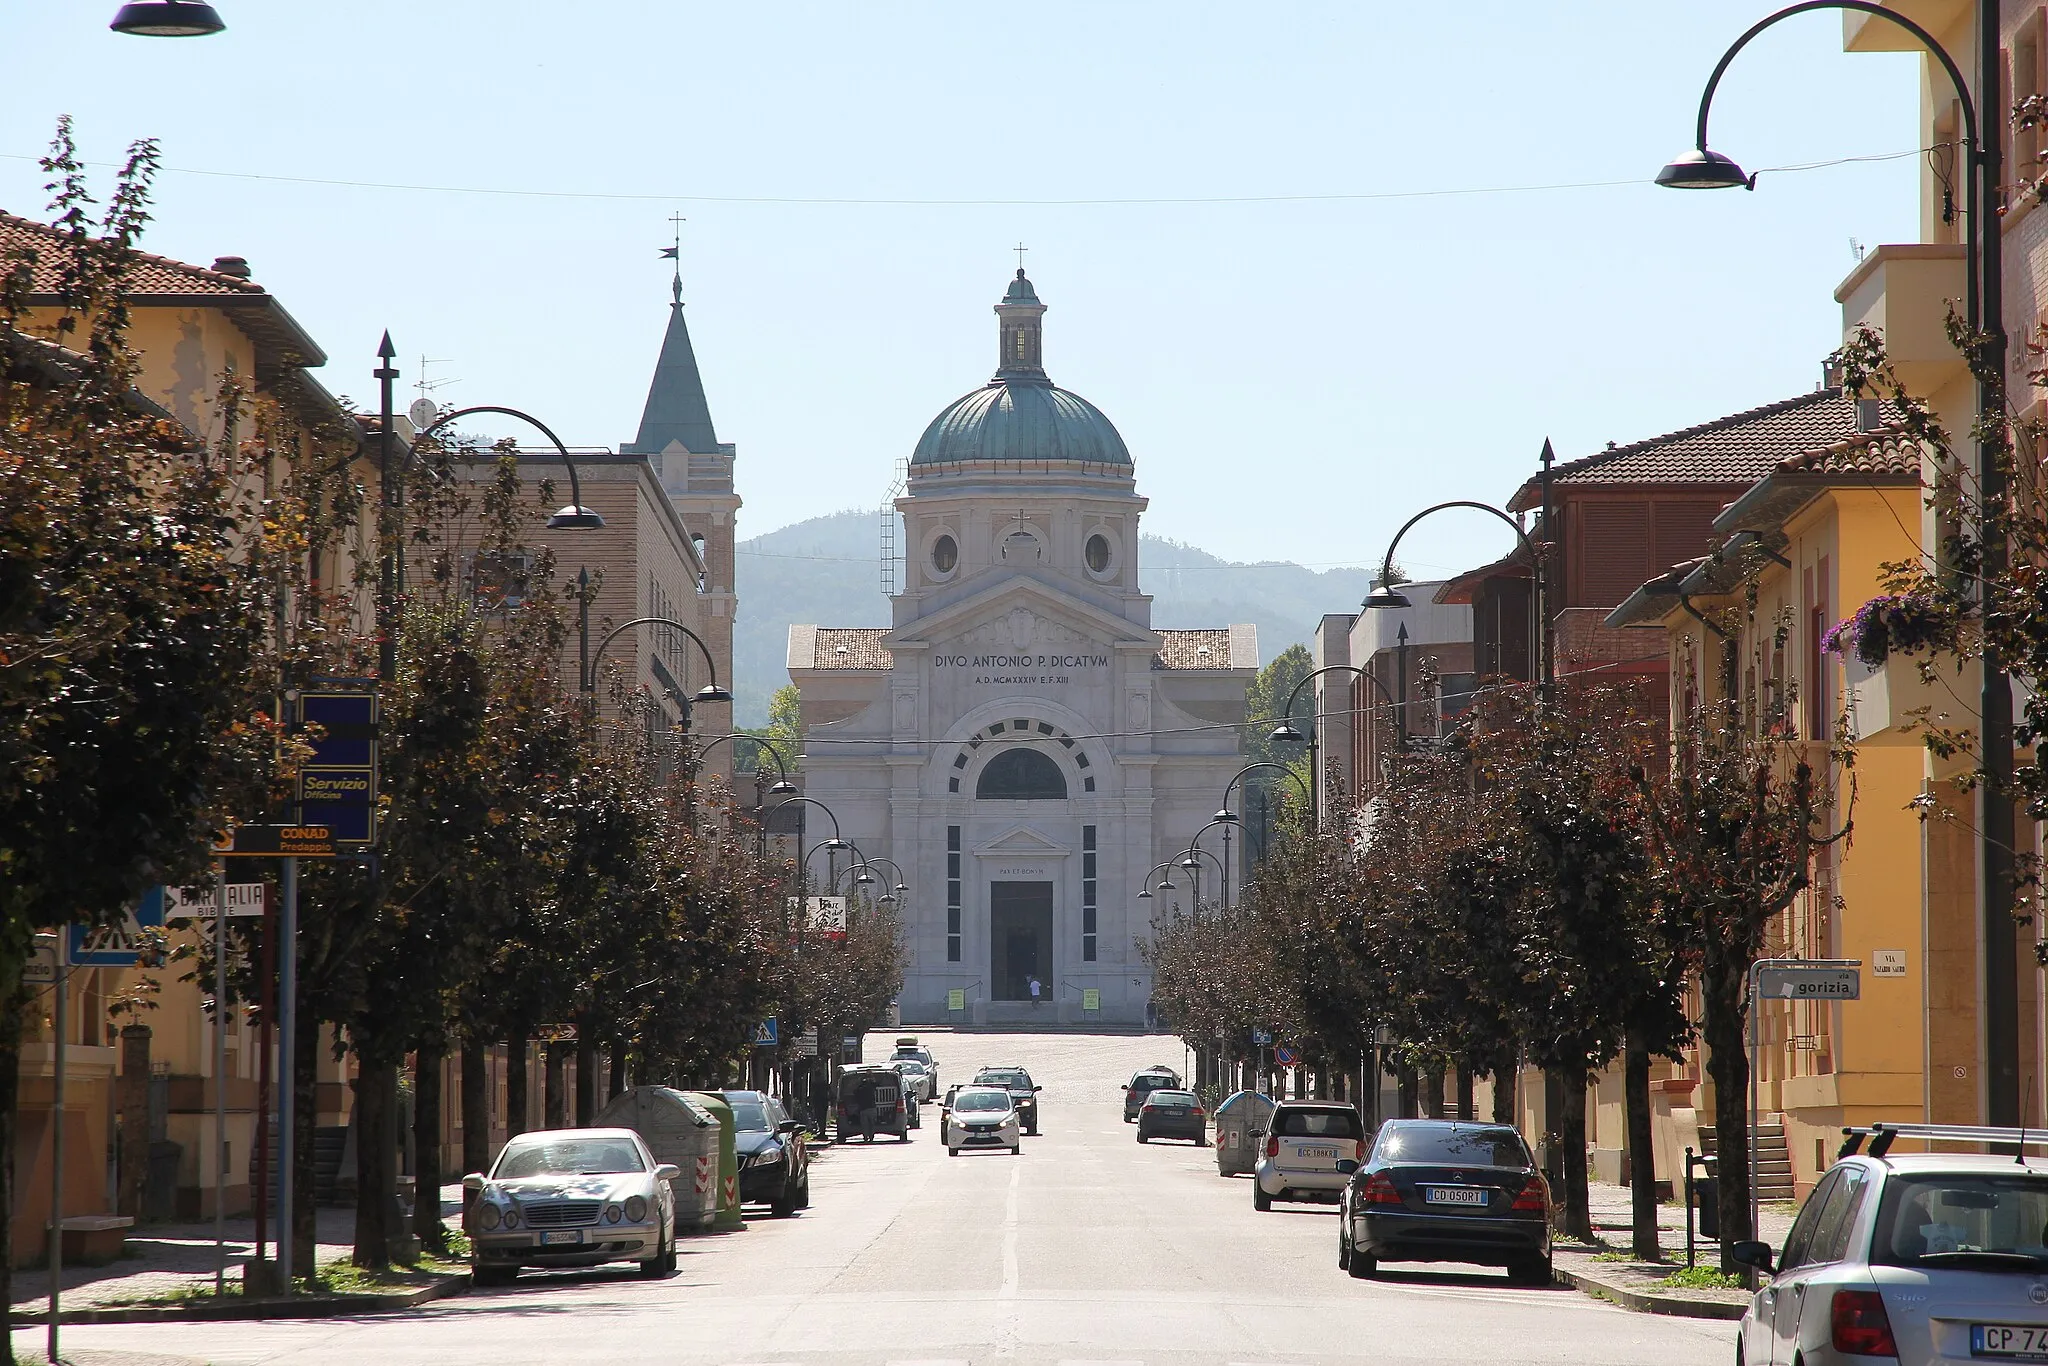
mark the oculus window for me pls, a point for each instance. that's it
(1021, 775)
(945, 554)
(1097, 554)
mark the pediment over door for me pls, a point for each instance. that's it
(1021, 842)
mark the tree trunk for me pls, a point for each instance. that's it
(1465, 1110)
(554, 1085)
(1642, 1157)
(1407, 1090)
(10, 1099)
(133, 1093)
(1505, 1071)
(1571, 1136)
(586, 1076)
(426, 1146)
(376, 1170)
(1433, 1094)
(518, 1067)
(1728, 1064)
(305, 1213)
(476, 1109)
(616, 1087)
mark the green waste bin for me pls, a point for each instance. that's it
(728, 1160)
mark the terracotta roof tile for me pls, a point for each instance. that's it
(1194, 650)
(852, 647)
(1740, 448)
(1883, 452)
(152, 274)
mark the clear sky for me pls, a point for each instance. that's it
(1304, 341)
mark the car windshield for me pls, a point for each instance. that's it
(1331, 1123)
(910, 1065)
(981, 1100)
(1459, 1147)
(1014, 1080)
(1165, 1097)
(567, 1157)
(1929, 1219)
(749, 1116)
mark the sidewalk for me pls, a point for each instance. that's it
(173, 1265)
(1609, 1273)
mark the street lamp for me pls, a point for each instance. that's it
(710, 693)
(782, 786)
(1388, 596)
(167, 19)
(1286, 733)
(1984, 309)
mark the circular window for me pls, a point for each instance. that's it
(1096, 552)
(945, 554)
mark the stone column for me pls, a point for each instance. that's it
(132, 1097)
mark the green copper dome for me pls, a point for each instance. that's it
(1020, 415)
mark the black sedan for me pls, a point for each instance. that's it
(775, 1166)
(1173, 1114)
(1435, 1190)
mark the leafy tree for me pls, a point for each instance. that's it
(1264, 697)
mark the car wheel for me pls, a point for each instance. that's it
(785, 1204)
(1361, 1266)
(1201, 1140)
(1343, 1247)
(1260, 1200)
(1144, 1137)
(803, 1192)
(493, 1275)
(1016, 1150)
(903, 1137)
(952, 1152)
(655, 1267)
(1536, 1271)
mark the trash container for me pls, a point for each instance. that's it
(1240, 1123)
(678, 1129)
(1706, 1192)
(728, 1160)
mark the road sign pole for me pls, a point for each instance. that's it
(220, 1080)
(1756, 1010)
(62, 987)
(287, 1058)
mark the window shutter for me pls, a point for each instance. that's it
(1614, 551)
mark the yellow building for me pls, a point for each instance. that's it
(140, 1087)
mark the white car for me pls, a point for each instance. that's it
(982, 1117)
(1919, 1258)
(917, 1078)
(571, 1197)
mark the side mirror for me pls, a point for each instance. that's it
(667, 1171)
(474, 1182)
(1036, 1089)
(1125, 1087)
(788, 1126)
(1346, 1166)
(1751, 1254)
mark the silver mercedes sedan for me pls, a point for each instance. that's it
(571, 1198)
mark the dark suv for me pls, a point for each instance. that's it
(1023, 1094)
(1142, 1084)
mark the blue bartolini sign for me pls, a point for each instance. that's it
(338, 784)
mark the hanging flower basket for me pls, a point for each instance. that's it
(1897, 623)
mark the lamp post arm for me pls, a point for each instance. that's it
(1253, 768)
(781, 770)
(1287, 711)
(1927, 40)
(1387, 565)
(575, 485)
(813, 801)
(664, 621)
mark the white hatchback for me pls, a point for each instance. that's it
(982, 1117)
(1920, 1257)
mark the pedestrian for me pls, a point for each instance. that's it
(1034, 991)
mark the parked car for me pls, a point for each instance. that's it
(916, 1076)
(909, 1047)
(870, 1101)
(571, 1197)
(982, 1117)
(1173, 1114)
(1435, 1190)
(775, 1163)
(1143, 1083)
(1305, 1140)
(1023, 1092)
(1917, 1257)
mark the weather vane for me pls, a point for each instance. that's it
(675, 254)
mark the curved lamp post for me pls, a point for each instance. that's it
(167, 19)
(1228, 819)
(782, 786)
(1286, 734)
(1166, 886)
(1984, 308)
(710, 692)
(574, 517)
(890, 895)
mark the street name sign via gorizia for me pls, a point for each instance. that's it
(1790, 979)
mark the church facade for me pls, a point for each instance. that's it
(1021, 743)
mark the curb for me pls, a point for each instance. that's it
(296, 1307)
(1671, 1305)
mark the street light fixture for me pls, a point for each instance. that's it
(167, 19)
(1386, 595)
(1699, 168)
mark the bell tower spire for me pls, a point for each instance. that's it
(1020, 331)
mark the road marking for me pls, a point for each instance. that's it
(944, 1361)
(1009, 1290)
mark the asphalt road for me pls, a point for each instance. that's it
(1088, 1250)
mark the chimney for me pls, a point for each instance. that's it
(237, 266)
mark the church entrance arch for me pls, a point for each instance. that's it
(1020, 939)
